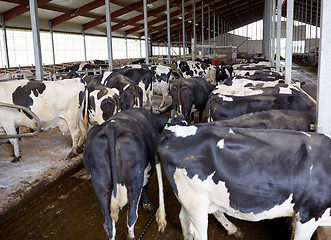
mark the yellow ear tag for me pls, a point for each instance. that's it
(60, 78)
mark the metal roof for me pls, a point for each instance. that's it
(127, 16)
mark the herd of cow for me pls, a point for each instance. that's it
(256, 157)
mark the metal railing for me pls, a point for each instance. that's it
(27, 111)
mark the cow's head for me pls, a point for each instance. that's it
(176, 119)
(130, 97)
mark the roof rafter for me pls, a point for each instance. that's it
(20, 9)
(77, 12)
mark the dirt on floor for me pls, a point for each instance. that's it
(44, 160)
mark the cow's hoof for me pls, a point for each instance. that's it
(72, 154)
(80, 150)
(129, 238)
(16, 159)
(238, 234)
(148, 207)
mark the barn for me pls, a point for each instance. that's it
(163, 119)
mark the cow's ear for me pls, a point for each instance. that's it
(174, 114)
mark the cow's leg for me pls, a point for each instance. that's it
(146, 203)
(10, 129)
(199, 219)
(304, 231)
(229, 226)
(101, 187)
(75, 132)
(133, 199)
(82, 136)
(187, 227)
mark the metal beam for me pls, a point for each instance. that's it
(202, 30)
(109, 37)
(289, 41)
(146, 32)
(194, 34)
(52, 41)
(4, 31)
(36, 39)
(77, 12)
(279, 31)
(20, 9)
(273, 33)
(183, 23)
(324, 86)
(114, 15)
(168, 32)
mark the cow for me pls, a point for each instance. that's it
(197, 69)
(120, 157)
(221, 107)
(130, 94)
(238, 81)
(250, 174)
(141, 77)
(103, 102)
(57, 103)
(19, 74)
(162, 75)
(223, 72)
(188, 92)
(264, 88)
(272, 119)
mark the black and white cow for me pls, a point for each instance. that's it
(103, 102)
(223, 72)
(120, 157)
(188, 92)
(272, 119)
(141, 77)
(197, 69)
(250, 174)
(162, 75)
(130, 94)
(239, 81)
(19, 74)
(221, 107)
(57, 103)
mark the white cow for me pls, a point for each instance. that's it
(55, 103)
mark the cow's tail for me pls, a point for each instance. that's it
(180, 107)
(114, 204)
(208, 110)
(160, 214)
(86, 109)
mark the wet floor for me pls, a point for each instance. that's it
(71, 211)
